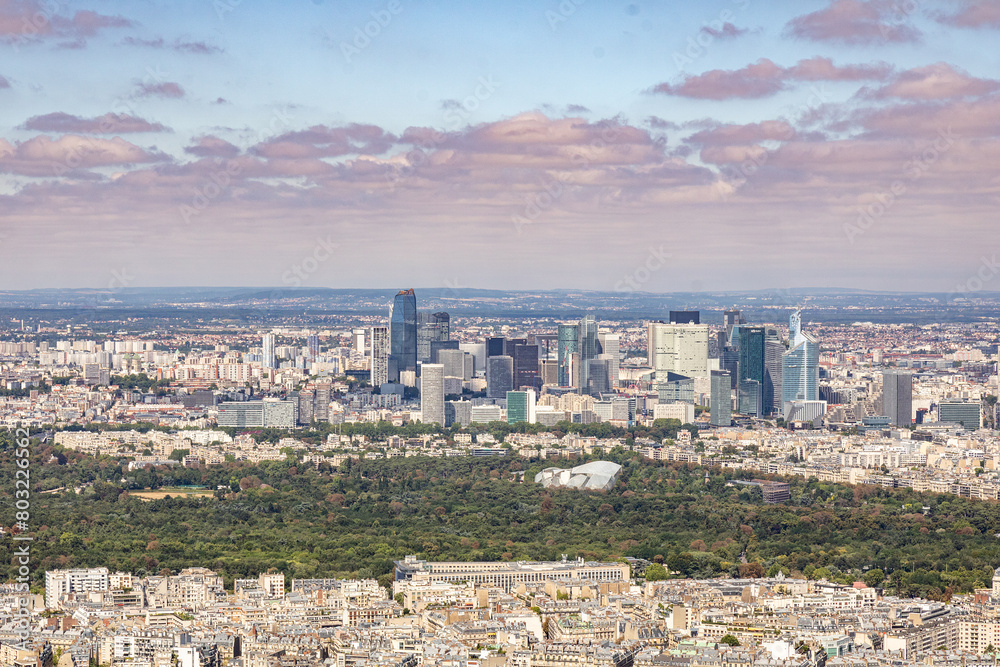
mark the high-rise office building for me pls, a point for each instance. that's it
(526, 366)
(588, 349)
(732, 318)
(378, 356)
(685, 317)
(312, 345)
(323, 394)
(774, 350)
(494, 346)
(358, 340)
(454, 363)
(431, 328)
(677, 348)
(268, 360)
(721, 400)
(609, 345)
(548, 369)
(306, 399)
(752, 363)
(897, 396)
(729, 360)
(499, 376)
(569, 344)
(521, 406)
(599, 375)
(751, 398)
(403, 334)
(799, 366)
(432, 394)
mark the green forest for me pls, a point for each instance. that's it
(355, 520)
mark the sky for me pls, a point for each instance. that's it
(684, 146)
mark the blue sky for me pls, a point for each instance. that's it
(524, 144)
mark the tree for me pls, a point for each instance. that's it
(656, 572)
(873, 577)
(730, 640)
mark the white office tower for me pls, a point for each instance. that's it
(378, 356)
(268, 351)
(609, 346)
(677, 348)
(358, 340)
(799, 367)
(432, 393)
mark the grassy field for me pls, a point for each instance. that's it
(173, 492)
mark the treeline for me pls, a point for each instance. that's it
(357, 519)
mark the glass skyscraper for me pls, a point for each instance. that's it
(403, 333)
(800, 365)
(569, 344)
(588, 350)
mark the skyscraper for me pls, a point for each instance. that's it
(677, 348)
(750, 398)
(431, 328)
(494, 346)
(897, 396)
(403, 334)
(799, 366)
(322, 409)
(267, 344)
(733, 318)
(358, 340)
(378, 356)
(526, 366)
(588, 349)
(499, 376)
(312, 344)
(752, 356)
(609, 343)
(521, 406)
(774, 350)
(721, 398)
(569, 344)
(685, 317)
(432, 393)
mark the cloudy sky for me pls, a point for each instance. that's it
(711, 145)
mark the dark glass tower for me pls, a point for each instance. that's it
(403, 333)
(752, 360)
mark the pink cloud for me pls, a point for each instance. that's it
(728, 31)
(109, 123)
(322, 141)
(181, 46)
(764, 78)
(167, 90)
(43, 156)
(973, 14)
(752, 133)
(855, 22)
(22, 20)
(209, 146)
(937, 82)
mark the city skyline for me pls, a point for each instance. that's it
(627, 146)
